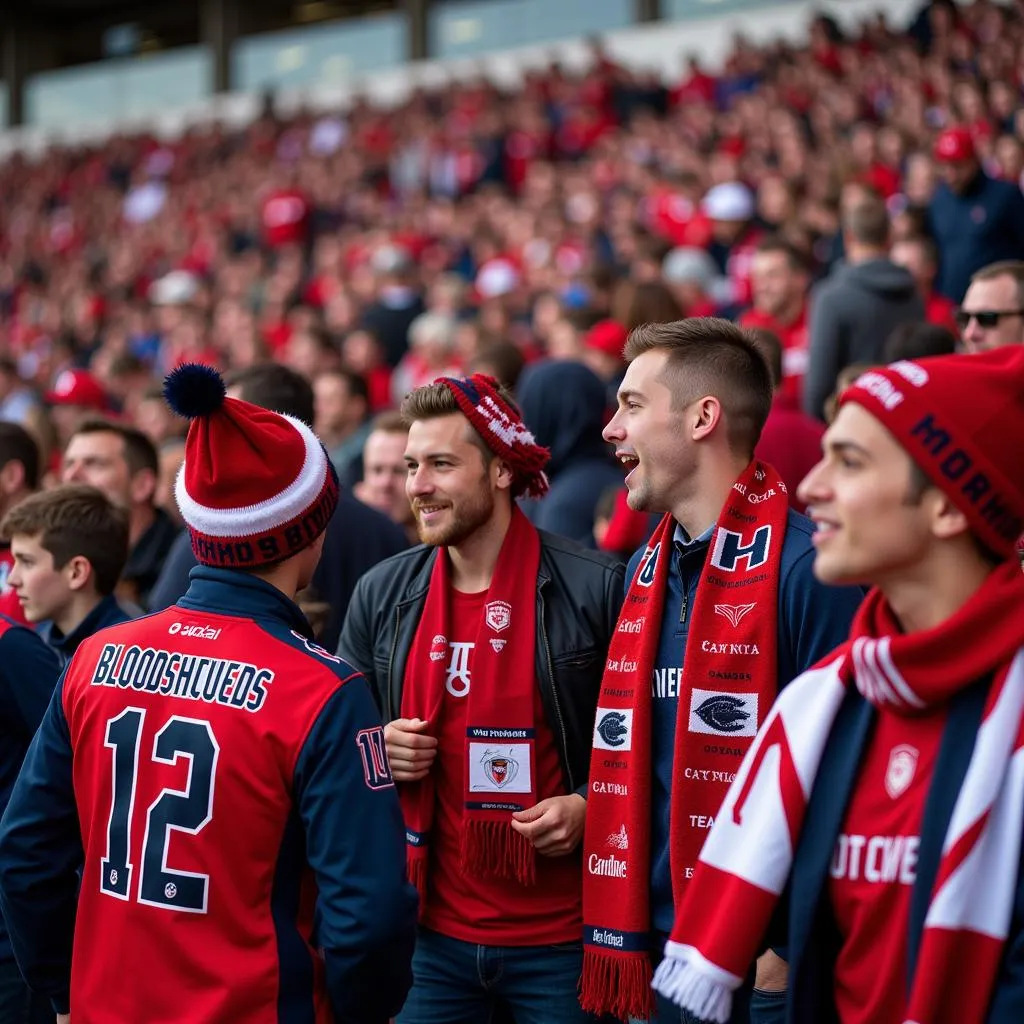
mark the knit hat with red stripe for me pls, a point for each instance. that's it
(256, 486)
(503, 431)
(961, 419)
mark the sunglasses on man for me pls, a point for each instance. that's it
(987, 318)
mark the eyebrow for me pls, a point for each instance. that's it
(451, 456)
(625, 396)
(839, 446)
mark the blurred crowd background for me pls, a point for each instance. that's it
(837, 194)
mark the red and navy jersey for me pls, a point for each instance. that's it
(224, 783)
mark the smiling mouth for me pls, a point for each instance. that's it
(428, 510)
(629, 462)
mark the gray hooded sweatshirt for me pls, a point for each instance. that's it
(853, 312)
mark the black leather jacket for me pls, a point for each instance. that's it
(579, 593)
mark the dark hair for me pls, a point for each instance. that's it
(355, 382)
(503, 360)
(275, 387)
(605, 507)
(139, 451)
(769, 345)
(918, 341)
(637, 303)
(75, 520)
(711, 356)
(18, 445)
(867, 222)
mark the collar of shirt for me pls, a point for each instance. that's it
(683, 541)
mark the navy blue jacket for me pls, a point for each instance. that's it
(358, 537)
(293, 765)
(983, 225)
(28, 674)
(107, 613)
(813, 937)
(563, 403)
(812, 620)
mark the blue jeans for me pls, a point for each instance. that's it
(458, 982)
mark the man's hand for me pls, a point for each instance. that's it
(554, 826)
(410, 750)
(772, 973)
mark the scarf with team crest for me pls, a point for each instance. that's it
(501, 765)
(746, 861)
(728, 684)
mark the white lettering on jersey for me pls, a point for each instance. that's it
(878, 860)
(457, 683)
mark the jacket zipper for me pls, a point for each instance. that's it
(554, 691)
(682, 607)
(391, 662)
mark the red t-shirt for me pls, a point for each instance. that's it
(940, 311)
(874, 867)
(495, 911)
(795, 351)
(9, 603)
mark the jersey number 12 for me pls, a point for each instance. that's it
(187, 810)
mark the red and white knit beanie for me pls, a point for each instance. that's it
(256, 486)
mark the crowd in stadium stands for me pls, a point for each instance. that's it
(853, 201)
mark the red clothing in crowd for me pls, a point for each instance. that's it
(285, 218)
(939, 310)
(875, 865)
(794, 340)
(493, 911)
(791, 442)
(9, 603)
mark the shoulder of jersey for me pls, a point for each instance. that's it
(311, 650)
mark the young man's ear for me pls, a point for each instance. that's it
(947, 520)
(501, 474)
(78, 572)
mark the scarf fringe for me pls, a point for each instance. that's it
(620, 985)
(688, 987)
(494, 848)
(416, 869)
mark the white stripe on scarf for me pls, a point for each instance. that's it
(978, 896)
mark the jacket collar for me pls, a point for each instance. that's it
(231, 592)
(420, 581)
(106, 613)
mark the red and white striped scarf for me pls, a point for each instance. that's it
(747, 857)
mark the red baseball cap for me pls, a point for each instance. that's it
(78, 387)
(607, 336)
(954, 145)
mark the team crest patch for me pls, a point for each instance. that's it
(901, 770)
(613, 729)
(716, 714)
(438, 648)
(498, 615)
(498, 769)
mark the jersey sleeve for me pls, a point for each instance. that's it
(29, 668)
(40, 854)
(355, 839)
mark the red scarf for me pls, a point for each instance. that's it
(727, 687)
(747, 858)
(501, 764)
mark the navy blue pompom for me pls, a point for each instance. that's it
(194, 390)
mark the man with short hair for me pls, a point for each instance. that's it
(209, 792)
(341, 410)
(992, 313)
(70, 546)
(484, 647)
(19, 477)
(122, 463)
(883, 794)
(384, 471)
(920, 256)
(721, 611)
(779, 279)
(357, 537)
(857, 306)
(974, 219)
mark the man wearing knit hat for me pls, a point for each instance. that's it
(485, 647)
(219, 781)
(894, 768)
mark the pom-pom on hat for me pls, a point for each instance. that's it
(256, 486)
(961, 419)
(503, 431)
